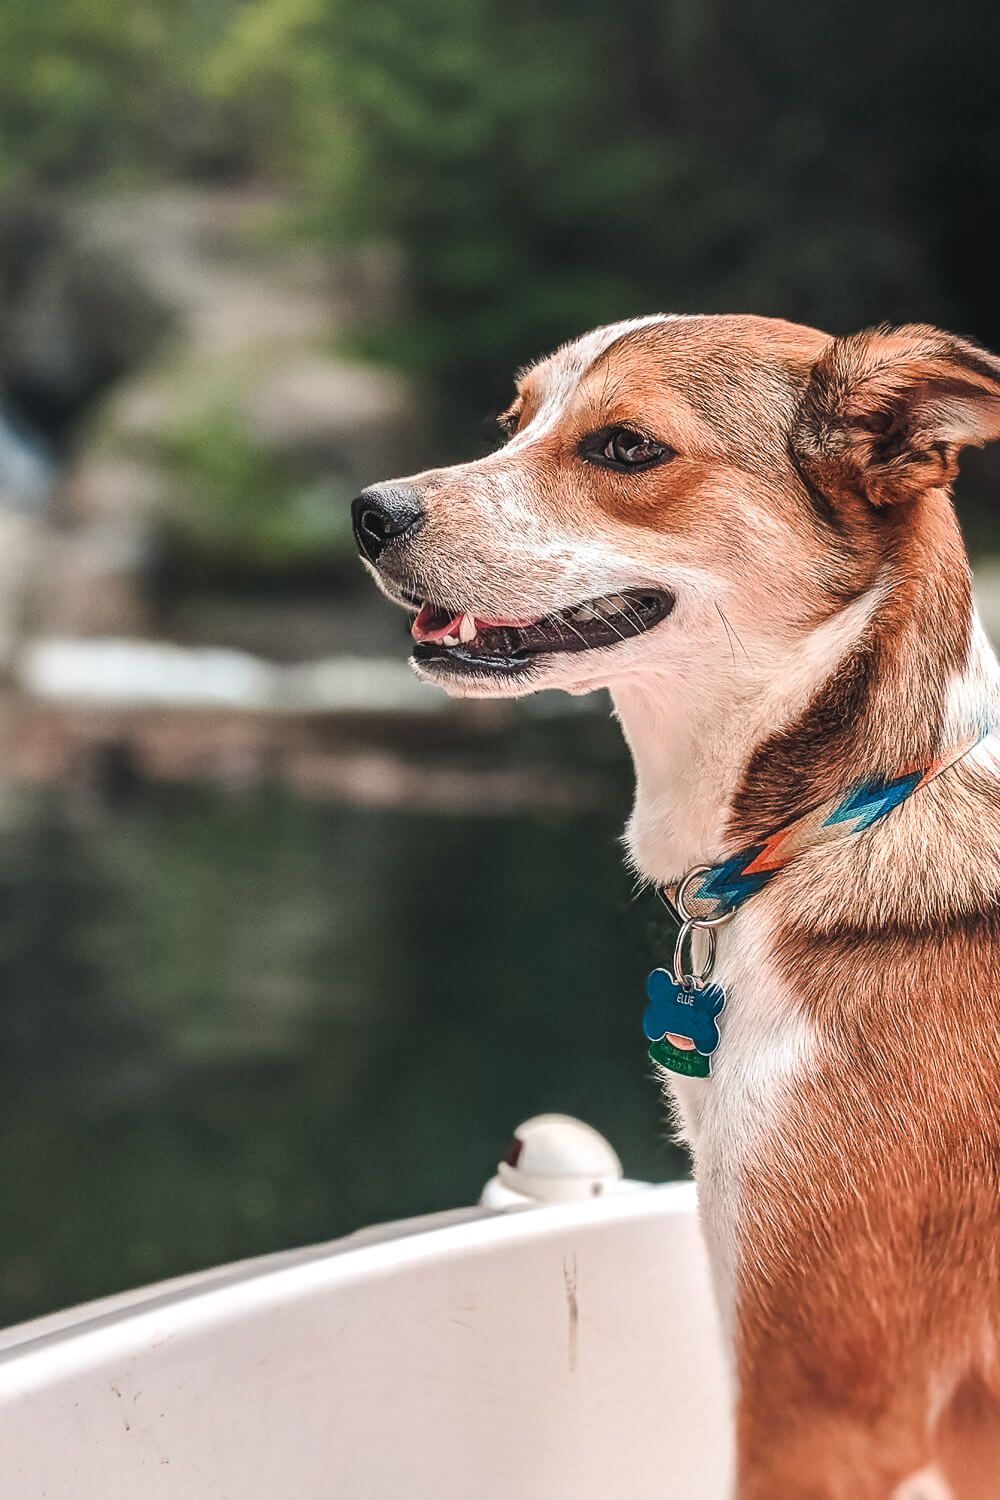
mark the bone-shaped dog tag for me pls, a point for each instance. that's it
(680, 1021)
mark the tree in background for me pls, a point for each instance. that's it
(89, 88)
(549, 167)
(543, 168)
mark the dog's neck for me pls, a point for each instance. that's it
(724, 757)
(691, 753)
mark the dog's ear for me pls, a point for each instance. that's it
(886, 412)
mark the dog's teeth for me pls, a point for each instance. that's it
(583, 614)
(449, 640)
(467, 629)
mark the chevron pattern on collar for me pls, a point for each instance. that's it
(727, 885)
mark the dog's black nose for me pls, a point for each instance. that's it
(383, 513)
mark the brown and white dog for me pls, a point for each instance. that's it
(743, 528)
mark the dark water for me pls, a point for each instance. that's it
(232, 1025)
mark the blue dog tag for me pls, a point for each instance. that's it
(677, 1011)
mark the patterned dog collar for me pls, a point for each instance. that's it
(724, 887)
(681, 1017)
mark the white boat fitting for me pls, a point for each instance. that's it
(558, 1342)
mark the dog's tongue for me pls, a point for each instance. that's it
(433, 624)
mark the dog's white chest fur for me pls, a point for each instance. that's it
(766, 1044)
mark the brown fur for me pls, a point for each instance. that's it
(812, 472)
(872, 1223)
(916, 642)
(887, 411)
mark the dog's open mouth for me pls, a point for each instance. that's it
(463, 640)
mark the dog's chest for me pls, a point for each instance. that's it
(766, 1045)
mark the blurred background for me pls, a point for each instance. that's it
(288, 943)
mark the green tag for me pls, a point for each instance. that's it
(691, 1064)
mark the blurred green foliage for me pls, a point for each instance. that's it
(87, 87)
(247, 512)
(545, 168)
(550, 168)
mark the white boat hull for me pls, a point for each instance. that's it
(554, 1353)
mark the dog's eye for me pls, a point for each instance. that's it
(623, 448)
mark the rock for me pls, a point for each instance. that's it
(73, 317)
(104, 486)
(242, 441)
(181, 359)
(204, 255)
(360, 418)
(95, 581)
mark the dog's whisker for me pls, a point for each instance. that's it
(612, 626)
(731, 634)
(622, 615)
(578, 633)
(633, 613)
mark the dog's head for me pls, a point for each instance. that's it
(671, 487)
